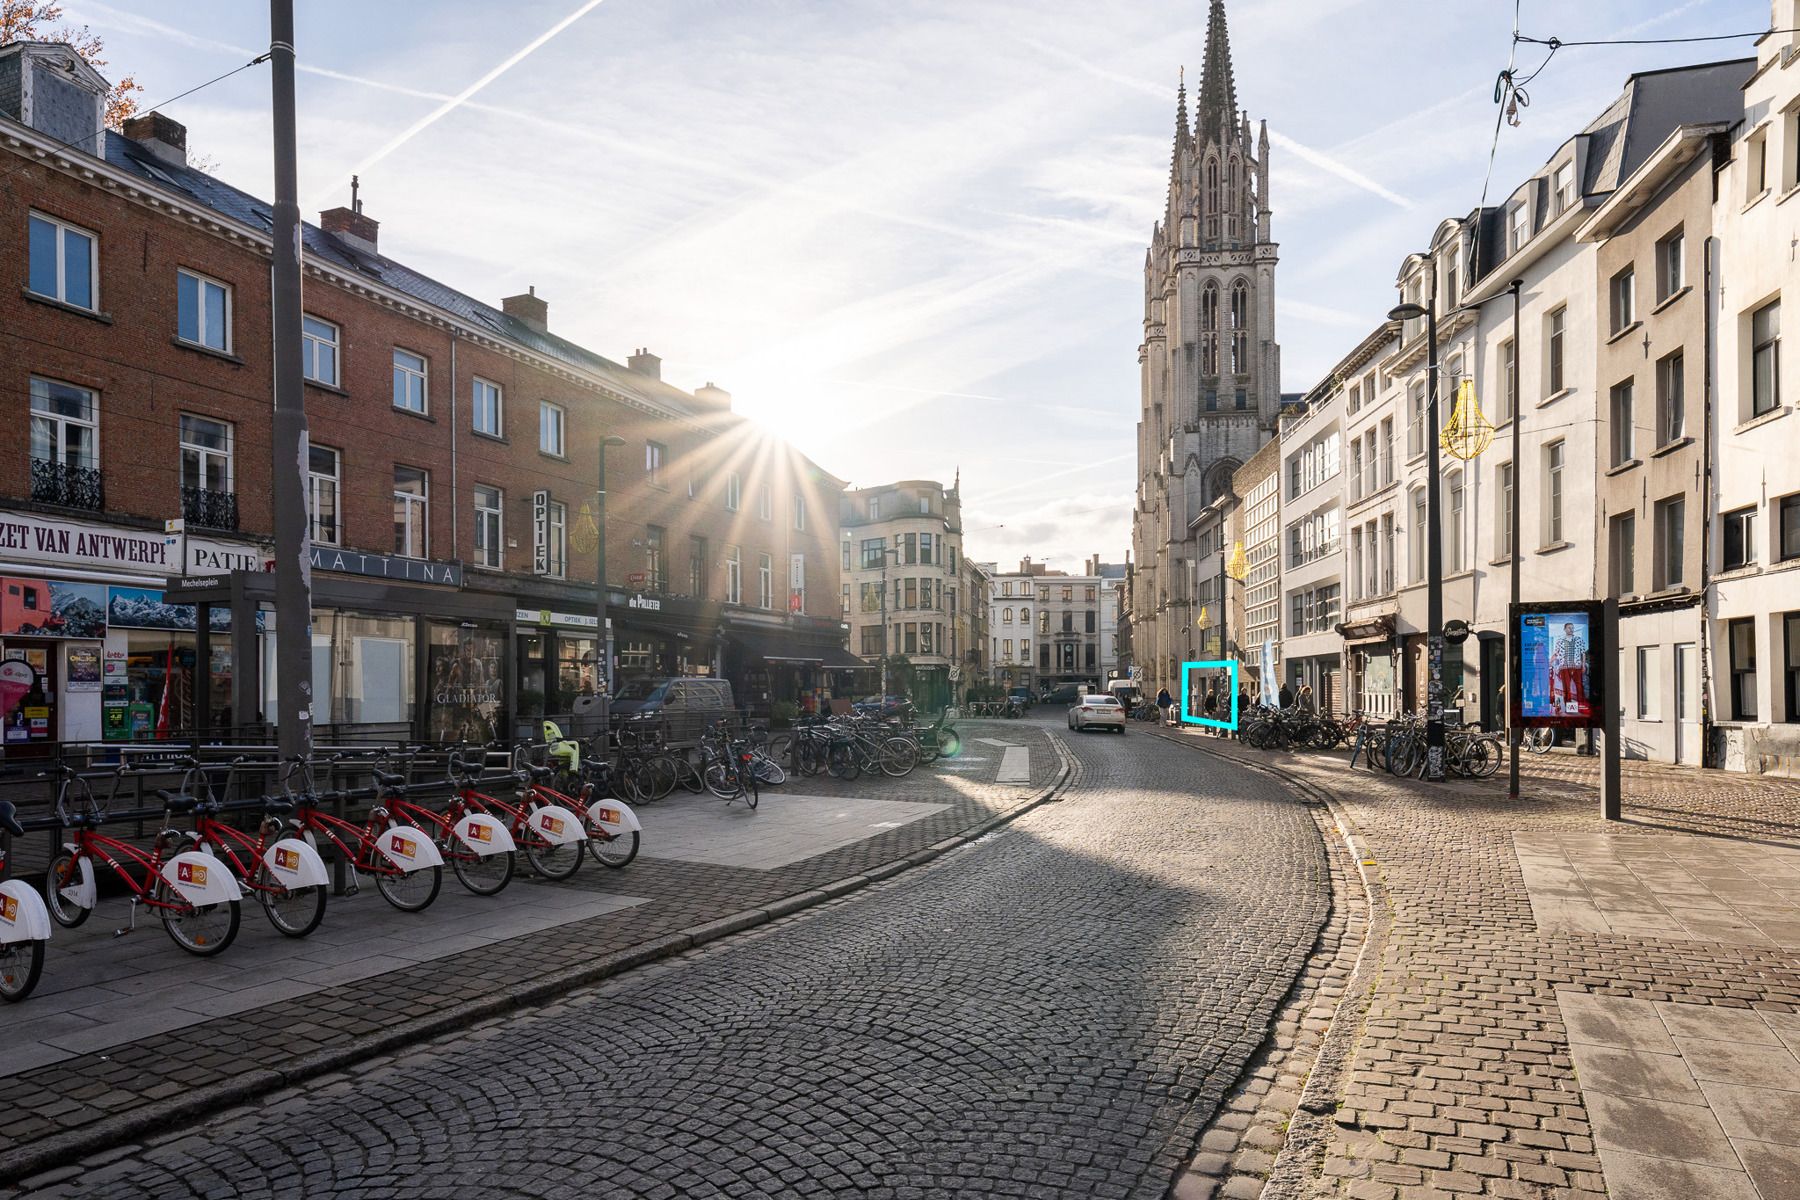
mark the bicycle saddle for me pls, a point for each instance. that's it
(175, 802)
(8, 821)
(277, 804)
(539, 772)
(89, 820)
(387, 780)
(596, 764)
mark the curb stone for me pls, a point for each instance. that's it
(44, 1157)
(1303, 1144)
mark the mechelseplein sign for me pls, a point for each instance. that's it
(387, 566)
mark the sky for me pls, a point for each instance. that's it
(907, 236)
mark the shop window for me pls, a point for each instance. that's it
(319, 351)
(322, 480)
(203, 311)
(411, 512)
(65, 262)
(490, 538)
(1740, 642)
(467, 678)
(368, 665)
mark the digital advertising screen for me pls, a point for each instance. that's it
(1556, 665)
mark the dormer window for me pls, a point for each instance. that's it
(1518, 227)
(1562, 188)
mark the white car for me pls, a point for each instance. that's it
(1097, 712)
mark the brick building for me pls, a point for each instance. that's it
(452, 469)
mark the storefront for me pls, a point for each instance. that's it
(656, 637)
(788, 667)
(89, 648)
(556, 662)
(1369, 658)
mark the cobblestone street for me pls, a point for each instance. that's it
(1056, 1009)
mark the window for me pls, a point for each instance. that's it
(1509, 382)
(846, 562)
(1622, 296)
(1090, 620)
(65, 262)
(1387, 553)
(697, 572)
(1554, 454)
(1453, 527)
(1006, 649)
(322, 494)
(1738, 530)
(765, 581)
(410, 378)
(734, 580)
(871, 597)
(1622, 440)
(655, 455)
(734, 491)
(1043, 621)
(871, 641)
(765, 505)
(1756, 164)
(1356, 469)
(489, 527)
(874, 552)
(924, 505)
(1787, 526)
(1562, 188)
(485, 407)
(1790, 623)
(411, 512)
(1503, 502)
(1554, 326)
(1387, 451)
(1624, 554)
(205, 454)
(799, 511)
(927, 550)
(1353, 399)
(1670, 274)
(1006, 616)
(1765, 358)
(1740, 643)
(1416, 543)
(1671, 407)
(551, 428)
(1671, 540)
(1518, 227)
(1415, 419)
(1648, 658)
(655, 563)
(556, 539)
(319, 351)
(203, 311)
(64, 427)
(874, 508)
(845, 608)
(1356, 563)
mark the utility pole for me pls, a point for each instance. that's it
(288, 451)
(881, 704)
(602, 633)
(1516, 731)
(1434, 553)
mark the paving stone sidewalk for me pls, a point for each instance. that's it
(292, 1036)
(1564, 1007)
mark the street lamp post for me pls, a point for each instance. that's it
(602, 634)
(1518, 418)
(1434, 550)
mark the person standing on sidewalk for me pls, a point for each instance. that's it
(1286, 696)
(1305, 700)
(1163, 700)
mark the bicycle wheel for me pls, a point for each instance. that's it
(552, 862)
(615, 851)
(63, 911)
(897, 757)
(842, 763)
(483, 874)
(752, 793)
(687, 775)
(20, 965)
(408, 891)
(204, 930)
(294, 912)
(769, 771)
(1491, 751)
(721, 781)
(659, 776)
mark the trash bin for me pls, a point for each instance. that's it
(589, 717)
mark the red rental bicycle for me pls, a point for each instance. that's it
(24, 925)
(193, 894)
(285, 875)
(405, 862)
(551, 836)
(477, 847)
(612, 828)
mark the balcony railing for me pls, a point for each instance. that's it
(70, 486)
(209, 509)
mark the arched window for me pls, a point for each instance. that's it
(1024, 616)
(1212, 198)
(1209, 329)
(1234, 201)
(1240, 328)
(1006, 616)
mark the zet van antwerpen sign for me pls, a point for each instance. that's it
(387, 566)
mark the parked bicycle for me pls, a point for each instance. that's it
(24, 923)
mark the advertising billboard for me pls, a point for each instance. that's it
(1556, 651)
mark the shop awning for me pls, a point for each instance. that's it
(836, 658)
(775, 646)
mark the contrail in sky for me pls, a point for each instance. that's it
(512, 60)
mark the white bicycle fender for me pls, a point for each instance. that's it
(23, 917)
(612, 817)
(82, 892)
(294, 864)
(556, 825)
(407, 847)
(200, 879)
(484, 835)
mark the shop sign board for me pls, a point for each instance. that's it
(647, 603)
(545, 616)
(1556, 649)
(56, 542)
(540, 533)
(387, 566)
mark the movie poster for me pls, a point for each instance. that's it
(466, 673)
(1556, 667)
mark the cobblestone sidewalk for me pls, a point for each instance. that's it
(1631, 941)
(72, 1107)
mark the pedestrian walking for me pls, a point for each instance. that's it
(1306, 701)
(1243, 701)
(1163, 701)
(1211, 707)
(1286, 695)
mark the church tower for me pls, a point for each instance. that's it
(1209, 364)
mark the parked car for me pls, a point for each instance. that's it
(1022, 695)
(1095, 711)
(687, 703)
(1065, 694)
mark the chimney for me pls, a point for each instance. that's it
(529, 309)
(715, 398)
(351, 227)
(162, 137)
(645, 363)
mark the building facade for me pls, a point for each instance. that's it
(1209, 363)
(451, 473)
(904, 586)
(1258, 483)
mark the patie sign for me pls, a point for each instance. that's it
(54, 542)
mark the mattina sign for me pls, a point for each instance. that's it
(387, 566)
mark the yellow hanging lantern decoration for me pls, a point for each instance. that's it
(1237, 566)
(586, 534)
(1469, 431)
(1200, 621)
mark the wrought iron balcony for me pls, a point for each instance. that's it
(209, 509)
(71, 486)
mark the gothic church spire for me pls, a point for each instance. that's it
(1215, 111)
